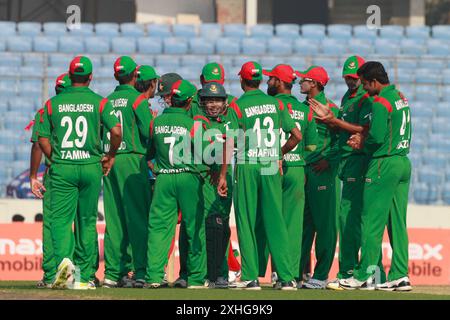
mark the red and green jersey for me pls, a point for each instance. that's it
(390, 126)
(38, 119)
(355, 108)
(303, 119)
(327, 144)
(261, 117)
(132, 109)
(195, 108)
(72, 122)
(173, 135)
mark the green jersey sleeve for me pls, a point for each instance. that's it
(378, 127)
(37, 120)
(45, 126)
(108, 118)
(365, 108)
(143, 115)
(310, 135)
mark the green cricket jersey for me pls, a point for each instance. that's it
(303, 118)
(355, 108)
(327, 144)
(72, 121)
(195, 108)
(132, 109)
(390, 127)
(261, 117)
(38, 119)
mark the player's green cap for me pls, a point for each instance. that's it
(182, 90)
(213, 72)
(63, 81)
(145, 73)
(166, 82)
(251, 71)
(80, 66)
(351, 66)
(213, 90)
(124, 65)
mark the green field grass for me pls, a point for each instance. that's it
(27, 290)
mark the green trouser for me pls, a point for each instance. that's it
(259, 221)
(385, 202)
(352, 173)
(48, 260)
(78, 254)
(293, 206)
(75, 193)
(320, 219)
(217, 232)
(173, 191)
(127, 198)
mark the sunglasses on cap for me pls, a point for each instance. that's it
(306, 79)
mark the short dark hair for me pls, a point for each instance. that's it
(177, 103)
(76, 78)
(143, 86)
(373, 70)
(320, 86)
(251, 83)
(124, 79)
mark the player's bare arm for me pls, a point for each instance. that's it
(46, 147)
(108, 159)
(222, 187)
(37, 188)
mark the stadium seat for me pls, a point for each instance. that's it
(429, 174)
(233, 74)
(412, 47)
(421, 110)
(306, 46)
(150, 45)
(159, 30)
(190, 73)
(253, 46)
(279, 46)
(83, 29)
(10, 59)
(32, 71)
(19, 44)
(418, 32)
(7, 87)
(238, 61)
(5, 154)
(334, 46)
(363, 33)
(60, 60)
(296, 62)
(123, 45)
(29, 29)
(314, 31)
(71, 44)
(97, 44)
(184, 30)
(7, 28)
(175, 45)
(235, 30)
(426, 76)
(107, 29)
(236, 89)
(2, 45)
(3, 106)
(108, 60)
(268, 62)
(22, 152)
(386, 47)
(22, 104)
(445, 93)
(45, 44)
(360, 47)
(446, 193)
(167, 61)
(438, 48)
(201, 46)
(16, 122)
(326, 63)
(130, 29)
(19, 166)
(287, 30)
(434, 64)
(196, 61)
(339, 31)
(261, 31)
(227, 46)
(104, 73)
(425, 194)
(438, 162)
(403, 75)
(441, 32)
(144, 59)
(53, 29)
(392, 32)
(210, 30)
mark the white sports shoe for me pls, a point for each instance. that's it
(64, 277)
(200, 286)
(248, 285)
(352, 284)
(315, 284)
(402, 284)
(334, 285)
(84, 286)
(274, 278)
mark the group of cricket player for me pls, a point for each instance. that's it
(296, 172)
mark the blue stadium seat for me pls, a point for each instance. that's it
(175, 46)
(54, 29)
(445, 93)
(71, 44)
(279, 46)
(22, 152)
(7, 87)
(19, 44)
(403, 76)
(446, 193)
(261, 31)
(433, 64)
(184, 30)
(235, 89)
(96, 60)
(123, 45)
(438, 162)
(415, 156)
(418, 32)
(253, 46)
(167, 61)
(412, 47)
(315, 31)
(45, 44)
(201, 46)
(29, 29)
(22, 104)
(418, 145)
(150, 45)
(85, 29)
(10, 59)
(438, 48)
(31, 71)
(159, 30)
(196, 61)
(108, 60)
(425, 194)
(235, 30)
(392, 32)
(2, 45)
(407, 64)
(334, 46)
(233, 74)
(3, 106)
(360, 47)
(30, 85)
(19, 166)
(362, 32)
(228, 46)
(339, 31)
(386, 47)
(421, 110)
(306, 46)
(97, 44)
(104, 73)
(441, 32)
(107, 29)
(7, 28)
(189, 72)
(16, 122)
(60, 60)
(210, 30)
(238, 61)
(327, 63)
(144, 59)
(296, 62)
(287, 30)
(130, 29)
(426, 76)
(6, 156)
(429, 174)
(268, 62)
(34, 59)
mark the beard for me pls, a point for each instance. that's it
(272, 91)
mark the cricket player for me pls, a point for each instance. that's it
(165, 83)
(70, 136)
(38, 189)
(386, 185)
(281, 79)
(179, 185)
(322, 186)
(258, 185)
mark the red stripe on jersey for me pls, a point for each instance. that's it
(310, 114)
(235, 107)
(41, 114)
(195, 127)
(138, 101)
(289, 106)
(331, 104)
(151, 128)
(280, 105)
(384, 102)
(118, 125)
(48, 104)
(29, 125)
(202, 118)
(102, 104)
(363, 98)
